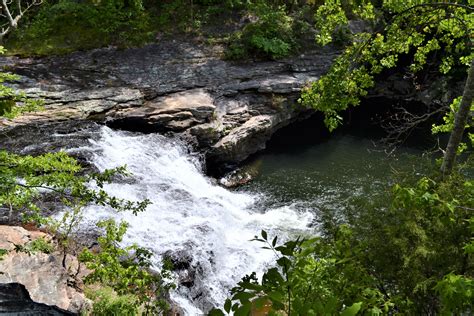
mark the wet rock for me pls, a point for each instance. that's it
(181, 261)
(249, 137)
(242, 175)
(206, 134)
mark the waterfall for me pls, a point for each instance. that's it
(190, 214)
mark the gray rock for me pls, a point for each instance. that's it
(185, 87)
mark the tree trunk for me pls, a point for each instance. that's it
(460, 121)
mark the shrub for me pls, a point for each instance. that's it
(126, 270)
(271, 35)
(108, 302)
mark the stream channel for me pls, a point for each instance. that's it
(206, 228)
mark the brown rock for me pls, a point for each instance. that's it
(43, 275)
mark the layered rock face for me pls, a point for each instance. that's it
(226, 109)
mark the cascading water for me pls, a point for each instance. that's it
(190, 214)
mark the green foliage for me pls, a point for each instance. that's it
(456, 293)
(405, 30)
(271, 35)
(315, 276)
(107, 302)
(41, 245)
(66, 25)
(35, 246)
(448, 123)
(126, 270)
(417, 240)
(24, 178)
(3, 252)
(12, 102)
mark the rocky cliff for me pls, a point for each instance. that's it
(228, 110)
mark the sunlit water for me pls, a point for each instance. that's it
(190, 213)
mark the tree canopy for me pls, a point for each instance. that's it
(404, 34)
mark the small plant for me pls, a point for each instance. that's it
(270, 35)
(126, 270)
(41, 245)
(38, 245)
(3, 252)
(277, 101)
(108, 302)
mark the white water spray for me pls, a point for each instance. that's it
(190, 214)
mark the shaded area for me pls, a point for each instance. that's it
(15, 300)
(312, 169)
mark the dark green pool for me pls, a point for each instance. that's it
(325, 176)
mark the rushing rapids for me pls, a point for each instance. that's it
(190, 214)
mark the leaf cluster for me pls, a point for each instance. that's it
(314, 276)
(34, 246)
(12, 102)
(24, 180)
(418, 31)
(126, 270)
(272, 33)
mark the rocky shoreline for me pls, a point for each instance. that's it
(226, 110)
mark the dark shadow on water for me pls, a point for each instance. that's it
(305, 164)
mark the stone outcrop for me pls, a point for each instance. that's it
(174, 112)
(227, 110)
(15, 300)
(42, 274)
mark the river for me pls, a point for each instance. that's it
(190, 214)
(195, 218)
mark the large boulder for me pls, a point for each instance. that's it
(42, 274)
(15, 300)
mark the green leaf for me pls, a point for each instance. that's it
(216, 312)
(227, 305)
(244, 310)
(274, 242)
(243, 297)
(352, 310)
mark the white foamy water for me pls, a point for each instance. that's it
(189, 214)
